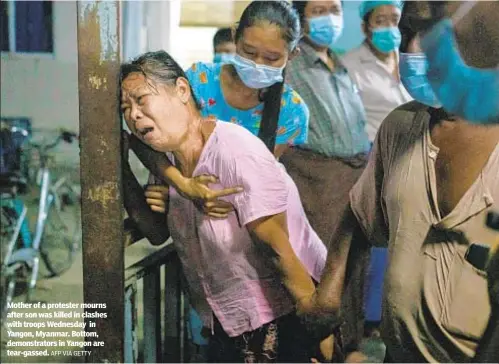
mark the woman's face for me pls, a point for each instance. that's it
(157, 114)
(263, 44)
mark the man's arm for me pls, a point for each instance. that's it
(152, 224)
(272, 231)
(325, 302)
(330, 288)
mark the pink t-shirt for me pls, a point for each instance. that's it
(228, 273)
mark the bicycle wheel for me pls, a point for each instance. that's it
(57, 247)
(10, 273)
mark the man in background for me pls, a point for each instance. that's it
(374, 65)
(223, 45)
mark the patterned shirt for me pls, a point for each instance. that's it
(337, 118)
(292, 126)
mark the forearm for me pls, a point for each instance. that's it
(272, 232)
(294, 276)
(152, 224)
(329, 291)
(326, 300)
(158, 164)
(321, 311)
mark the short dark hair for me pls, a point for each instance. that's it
(416, 18)
(300, 9)
(223, 35)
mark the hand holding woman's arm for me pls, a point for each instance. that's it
(322, 308)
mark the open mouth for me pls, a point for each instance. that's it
(144, 131)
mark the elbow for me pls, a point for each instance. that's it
(329, 305)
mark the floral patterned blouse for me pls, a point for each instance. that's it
(293, 118)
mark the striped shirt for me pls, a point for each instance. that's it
(337, 117)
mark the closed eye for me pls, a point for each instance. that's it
(142, 99)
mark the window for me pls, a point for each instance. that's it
(27, 26)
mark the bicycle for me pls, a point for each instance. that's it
(50, 240)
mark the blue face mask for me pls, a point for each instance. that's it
(222, 57)
(413, 68)
(471, 93)
(325, 30)
(254, 75)
(386, 40)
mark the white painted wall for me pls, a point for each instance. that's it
(45, 88)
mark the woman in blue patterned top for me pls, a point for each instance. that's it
(246, 91)
(251, 84)
(228, 100)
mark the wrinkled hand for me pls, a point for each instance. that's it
(208, 200)
(157, 197)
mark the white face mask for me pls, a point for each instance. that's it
(255, 75)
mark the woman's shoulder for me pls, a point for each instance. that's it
(239, 140)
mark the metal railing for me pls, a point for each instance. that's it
(163, 337)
